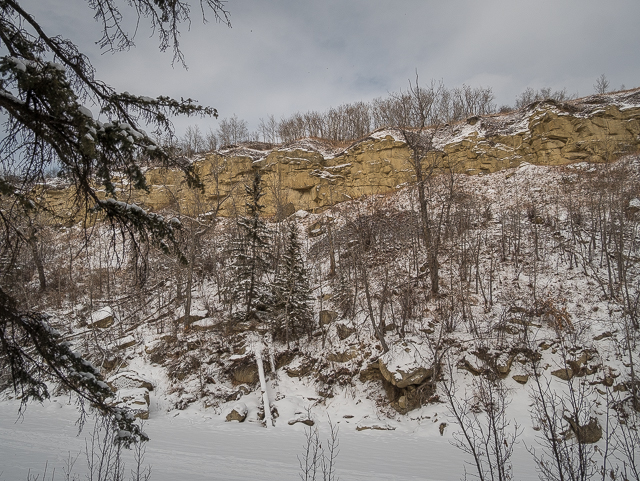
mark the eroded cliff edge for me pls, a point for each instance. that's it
(311, 175)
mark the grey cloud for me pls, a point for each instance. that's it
(283, 56)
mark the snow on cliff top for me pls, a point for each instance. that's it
(325, 148)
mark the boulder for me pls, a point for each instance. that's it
(564, 374)
(284, 358)
(240, 349)
(300, 367)
(344, 331)
(467, 366)
(129, 380)
(303, 418)
(376, 425)
(544, 345)
(371, 373)
(151, 347)
(125, 342)
(111, 362)
(607, 380)
(521, 379)
(499, 362)
(621, 387)
(404, 365)
(135, 400)
(245, 374)
(344, 356)
(403, 404)
(588, 433)
(602, 336)
(186, 321)
(327, 317)
(102, 318)
(243, 326)
(503, 365)
(238, 413)
(580, 365)
(316, 229)
(204, 324)
(634, 206)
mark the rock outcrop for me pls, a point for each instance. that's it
(131, 392)
(135, 400)
(406, 368)
(312, 175)
(405, 365)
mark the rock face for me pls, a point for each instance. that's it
(310, 175)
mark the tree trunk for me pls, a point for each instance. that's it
(37, 259)
(268, 420)
(187, 305)
(376, 329)
(432, 250)
(332, 253)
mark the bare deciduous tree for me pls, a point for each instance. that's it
(193, 141)
(602, 85)
(317, 462)
(485, 433)
(232, 131)
(545, 93)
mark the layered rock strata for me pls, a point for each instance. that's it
(311, 175)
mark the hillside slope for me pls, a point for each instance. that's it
(539, 280)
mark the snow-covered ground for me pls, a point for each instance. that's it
(194, 445)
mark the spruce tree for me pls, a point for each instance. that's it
(293, 314)
(252, 257)
(46, 84)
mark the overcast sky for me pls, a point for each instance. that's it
(283, 56)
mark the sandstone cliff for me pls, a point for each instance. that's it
(310, 175)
